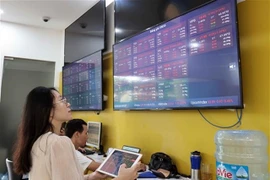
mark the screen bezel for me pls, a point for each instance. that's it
(241, 104)
(101, 81)
(139, 156)
(89, 123)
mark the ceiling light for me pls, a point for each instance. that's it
(118, 31)
(1, 11)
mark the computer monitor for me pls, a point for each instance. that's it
(94, 130)
(131, 149)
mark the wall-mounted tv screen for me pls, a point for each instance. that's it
(189, 62)
(151, 12)
(87, 34)
(82, 83)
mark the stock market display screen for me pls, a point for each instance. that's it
(189, 62)
(82, 83)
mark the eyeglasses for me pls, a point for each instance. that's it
(63, 100)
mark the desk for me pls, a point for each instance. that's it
(101, 158)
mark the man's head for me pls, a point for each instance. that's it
(76, 130)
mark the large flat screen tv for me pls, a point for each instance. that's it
(189, 62)
(82, 83)
(87, 34)
(133, 16)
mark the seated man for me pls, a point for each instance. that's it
(76, 130)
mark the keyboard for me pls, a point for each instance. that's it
(89, 152)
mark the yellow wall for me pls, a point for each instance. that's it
(177, 133)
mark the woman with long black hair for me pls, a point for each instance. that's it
(39, 149)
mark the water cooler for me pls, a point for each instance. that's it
(241, 155)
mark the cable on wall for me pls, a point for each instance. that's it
(238, 123)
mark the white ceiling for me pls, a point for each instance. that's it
(61, 12)
(31, 12)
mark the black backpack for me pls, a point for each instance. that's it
(161, 160)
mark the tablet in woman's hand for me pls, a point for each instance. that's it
(112, 163)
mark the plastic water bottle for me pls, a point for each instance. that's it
(241, 155)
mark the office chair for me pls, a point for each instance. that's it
(11, 173)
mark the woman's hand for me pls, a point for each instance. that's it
(142, 167)
(128, 173)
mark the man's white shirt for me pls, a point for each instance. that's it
(83, 160)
